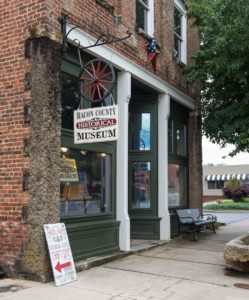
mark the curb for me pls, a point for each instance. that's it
(101, 260)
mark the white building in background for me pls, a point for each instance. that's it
(215, 178)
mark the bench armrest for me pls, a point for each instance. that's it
(208, 215)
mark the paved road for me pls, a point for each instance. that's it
(230, 217)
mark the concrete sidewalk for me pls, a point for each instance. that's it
(180, 269)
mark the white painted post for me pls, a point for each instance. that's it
(163, 210)
(123, 95)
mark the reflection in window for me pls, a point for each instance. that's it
(85, 182)
(177, 32)
(177, 138)
(140, 126)
(70, 99)
(177, 186)
(141, 185)
(170, 136)
(142, 10)
(180, 132)
(180, 32)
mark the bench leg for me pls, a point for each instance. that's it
(213, 227)
(194, 232)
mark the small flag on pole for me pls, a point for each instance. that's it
(152, 53)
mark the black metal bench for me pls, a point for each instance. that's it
(192, 218)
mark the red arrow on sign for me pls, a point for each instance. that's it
(59, 266)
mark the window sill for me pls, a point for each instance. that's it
(180, 63)
(147, 36)
(106, 5)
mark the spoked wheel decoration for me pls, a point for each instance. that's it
(96, 80)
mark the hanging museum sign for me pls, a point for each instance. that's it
(60, 253)
(94, 125)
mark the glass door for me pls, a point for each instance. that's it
(143, 206)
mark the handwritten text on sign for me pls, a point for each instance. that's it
(93, 125)
(60, 253)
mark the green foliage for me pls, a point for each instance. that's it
(233, 183)
(228, 206)
(222, 65)
(236, 191)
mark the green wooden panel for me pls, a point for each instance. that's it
(93, 238)
(147, 228)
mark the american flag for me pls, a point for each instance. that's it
(152, 53)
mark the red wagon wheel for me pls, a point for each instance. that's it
(96, 80)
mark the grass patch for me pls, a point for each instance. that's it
(228, 204)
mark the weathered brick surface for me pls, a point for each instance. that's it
(15, 18)
(22, 116)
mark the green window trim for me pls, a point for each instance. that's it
(71, 67)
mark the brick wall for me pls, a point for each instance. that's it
(15, 17)
(22, 21)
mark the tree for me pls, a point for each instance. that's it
(222, 65)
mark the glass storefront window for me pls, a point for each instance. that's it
(141, 130)
(70, 99)
(180, 133)
(177, 186)
(141, 185)
(85, 186)
(177, 138)
(170, 136)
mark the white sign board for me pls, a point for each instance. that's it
(68, 170)
(93, 125)
(60, 253)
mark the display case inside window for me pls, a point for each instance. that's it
(85, 186)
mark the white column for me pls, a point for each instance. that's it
(163, 211)
(123, 95)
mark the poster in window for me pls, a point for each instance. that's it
(68, 172)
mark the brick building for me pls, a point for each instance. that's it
(121, 189)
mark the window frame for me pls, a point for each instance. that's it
(179, 114)
(217, 184)
(182, 55)
(149, 16)
(70, 65)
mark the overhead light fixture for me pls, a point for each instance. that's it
(64, 149)
(83, 152)
(103, 154)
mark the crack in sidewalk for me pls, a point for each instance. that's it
(165, 276)
(183, 260)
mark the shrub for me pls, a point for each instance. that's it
(237, 193)
(233, 183)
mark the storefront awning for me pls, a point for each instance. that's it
(227, 177)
